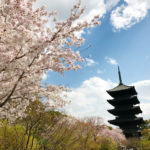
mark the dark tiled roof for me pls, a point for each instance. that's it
(125, 100)
(126, 110)
(119, 121)
(121, 87)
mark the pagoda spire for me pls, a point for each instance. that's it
(120, 79)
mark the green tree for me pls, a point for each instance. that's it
(12, 137)
(145, 141)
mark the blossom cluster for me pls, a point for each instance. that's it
(29, 48)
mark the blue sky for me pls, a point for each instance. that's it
(123, 39)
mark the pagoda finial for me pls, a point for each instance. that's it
(120, 80)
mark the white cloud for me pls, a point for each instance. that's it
(99, 71)
(143, 88)
(145, 108)
(122, 17)
(44, 76)
(130, 13)
(93, 7)
(111, 61)
(63, 7)
(89, 62)
(111, 3)
(90, 99)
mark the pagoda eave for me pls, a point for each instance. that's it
(126, 111)
(121, 87)
(119, 122)
(122, 90)
(132, 100)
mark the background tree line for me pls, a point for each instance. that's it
(44, 129)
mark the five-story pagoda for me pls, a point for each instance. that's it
(125, 109)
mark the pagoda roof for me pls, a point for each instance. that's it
(120, 87)
(119, 121)
(125, 110)
(122, 90)
(125, 100)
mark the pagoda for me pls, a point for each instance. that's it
(126, 108)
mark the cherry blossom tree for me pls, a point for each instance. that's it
(29, 48)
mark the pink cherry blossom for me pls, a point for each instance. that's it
(29, 48)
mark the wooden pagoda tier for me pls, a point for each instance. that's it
(129, 99)
(122, 91)
(128, 121)
(125, 109)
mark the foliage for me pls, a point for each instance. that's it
(13, 137)
(44, 129)
(108, 144)
(145, 141)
